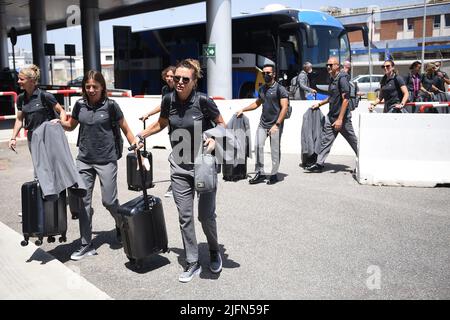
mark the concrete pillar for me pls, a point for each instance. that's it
(218, 32)
(39, 37)
(4, 62)
(90, 35)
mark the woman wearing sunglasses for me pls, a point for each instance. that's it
(431, 83)
(186, 111)
(393, 90)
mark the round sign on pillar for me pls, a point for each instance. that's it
(209, 50)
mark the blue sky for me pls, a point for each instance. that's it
(187, 14)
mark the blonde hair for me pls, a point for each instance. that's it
(191, 64)
(430, 67)
(31, 72)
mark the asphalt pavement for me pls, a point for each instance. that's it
(310, 236)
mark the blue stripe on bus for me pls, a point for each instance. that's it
(316, 18)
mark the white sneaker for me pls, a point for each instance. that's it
(84, 251)
(190, 271)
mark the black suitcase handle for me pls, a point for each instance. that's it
(141, 171)
(145, 144)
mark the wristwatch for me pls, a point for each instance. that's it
(278, 124)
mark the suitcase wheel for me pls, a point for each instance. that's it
(24, 243)
(136, 263)
(38, 242)
(51, 239)
(62, 239)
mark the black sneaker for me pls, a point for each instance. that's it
(273, 179)
(84, 251)
(215, 261)
(258, 178)
(192, 269)
(315, 168)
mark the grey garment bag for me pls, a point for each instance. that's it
(205, 172)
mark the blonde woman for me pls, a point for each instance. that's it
(34, 105)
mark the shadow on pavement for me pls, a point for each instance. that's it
(335, 168)
(203, 251)
(62, 252)
(153, 262)
(41, 256)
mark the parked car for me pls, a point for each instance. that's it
(364, 83)
(75, 82)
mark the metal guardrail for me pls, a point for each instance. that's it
(429, 105)
(14, 95)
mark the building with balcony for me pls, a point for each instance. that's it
(398, 32)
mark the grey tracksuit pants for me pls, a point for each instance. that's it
(182, 181)
(107, 173)
(275, 149)
(329, 135)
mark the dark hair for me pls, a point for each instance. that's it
(384, 79)
(414, 64)
(391, 61)
(271, 65)
(166, 71)
(97, 76)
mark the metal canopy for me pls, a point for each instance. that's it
(18, 11)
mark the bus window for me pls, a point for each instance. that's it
(344, 52)
(291, 56)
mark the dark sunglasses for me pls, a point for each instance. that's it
(386, 66)
(330, 65)
(177, 79)
(267, 73)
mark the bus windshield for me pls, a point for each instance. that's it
(328, 41)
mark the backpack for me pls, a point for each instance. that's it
(118, 140)
(353, 100)
(289, 111)
(203, 101)
(51, 113)
(294, 89)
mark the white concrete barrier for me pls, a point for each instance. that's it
(404, 149)
(133, 108)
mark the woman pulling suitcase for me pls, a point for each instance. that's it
(182, 111)
(99, 149)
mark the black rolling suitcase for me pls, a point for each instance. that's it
(235, 173)
(133, 175)
(142, 227)
(75, 204)
(42, 218)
